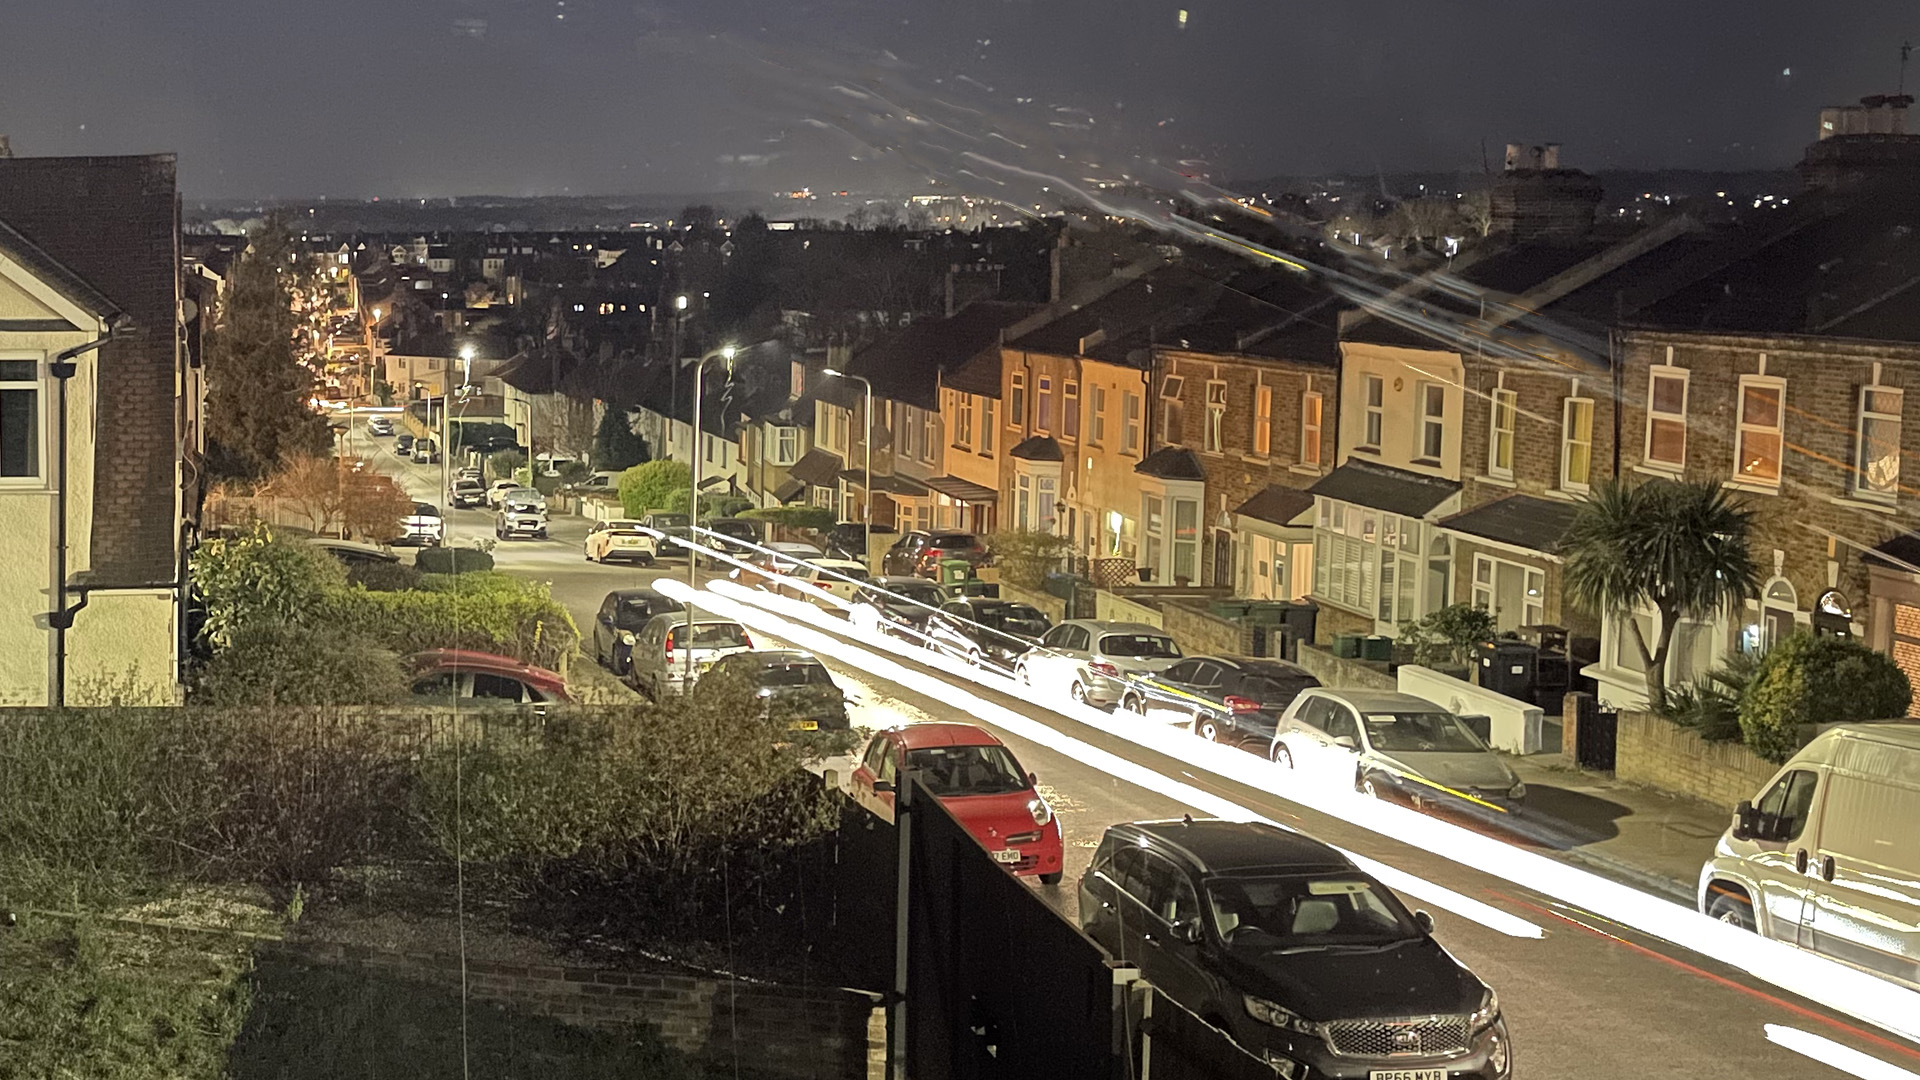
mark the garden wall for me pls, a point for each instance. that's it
(1662, 755)
(1200, 631)
(1331, 670)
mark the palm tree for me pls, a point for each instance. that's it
(1677, 547)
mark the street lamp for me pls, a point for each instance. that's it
(693, 490)
(866, 517)
(679, 306)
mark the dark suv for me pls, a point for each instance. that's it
(1285, 944)
(793, 685)
(921, 553)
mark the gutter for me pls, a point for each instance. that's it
(63, 368)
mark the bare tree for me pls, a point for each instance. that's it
(339, 496)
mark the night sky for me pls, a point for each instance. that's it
(524, 97)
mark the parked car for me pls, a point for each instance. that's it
(622, 617)
(817, 579)
(980, 783)
(739, 537)
(1826, 855)
(523, 512)
(403, 445)
(470, 472)
(461, 674)
(467, 492)
(921, 553)
(675, 528)
(985, 631)
(426, 452)
(897, 606)
(1393, 746)
(617, 539)
(849, 539)
(661, 663)
(1236, 700)
(353, 553)
(1282, 942)
(1093, 661)
(778, 559)
(423, 527)
(499, 489)
(795, 686)
(380, 427)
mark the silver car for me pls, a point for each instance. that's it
(661, 663)
(523, 512)
(1393, 746)
(1093, 661)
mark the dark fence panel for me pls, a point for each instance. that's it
(1170, 1043)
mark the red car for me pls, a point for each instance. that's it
(979, 782)
(464, 674)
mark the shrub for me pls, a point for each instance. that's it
(815, 518)
(1447, 637)
(652, 485)
(485, 611)
(384, 576)
(1818, 680)
(506, 463)
(1026, 555)
(275, 663)
(452, 560)
(616, 446)
(1710, 707)
(723, 506)
(258, 575)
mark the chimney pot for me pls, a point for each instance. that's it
(1550, 156)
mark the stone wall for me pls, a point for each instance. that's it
(1662, 755)
(1113, 606)
(1054, 608)
(1201, 631)
(1333, 671)
(813, 1033)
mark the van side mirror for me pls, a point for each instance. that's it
(1743, 820)
(1424, 921)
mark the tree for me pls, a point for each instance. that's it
(1806, 680)
(257, 390)
(1679, 548)
(337, 499)
(616, 446)
(653, 485)
(258, 576)
(1448, 636)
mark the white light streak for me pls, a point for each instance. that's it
(1827, 1052)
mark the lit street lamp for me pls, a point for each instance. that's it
(693, 490)
(866, 516)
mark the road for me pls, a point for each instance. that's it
(1584, 994)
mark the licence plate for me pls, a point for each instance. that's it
(1007, 855)
(804, 725)
(1407, 1074)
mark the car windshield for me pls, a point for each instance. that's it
(1272, 690)
(1015, 619)
(1145, 646)
(967, 770)
(739, 530)
(1414, 732)
(1306, 913)
(795, 674)
(830, 574)
(466, 485)
(425, 510)
(910, 599)
(669, 521)
(961, 541)
(634, 614)
(713, 635)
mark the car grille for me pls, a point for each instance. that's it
(1427, 1036)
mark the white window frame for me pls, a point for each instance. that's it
(1744, 428)
(1096, 415)
(1214, 437)
(1130, 419)
(1429, 427)
(1503, 414)
(1569, 441)
(1043, 405)
(1171, 406)
(38, 385)
(1070, 409)
(1312, 421)
(929, 435)
(1486, 571)
(963, 421)
(1862, 487)
(988, 406)
(1262, 421)
(1017, 399)
(1655, 416)
(1373, 402)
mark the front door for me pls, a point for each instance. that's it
(1223, 558)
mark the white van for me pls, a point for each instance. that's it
(1827, 857)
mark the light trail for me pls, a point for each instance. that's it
(1837, 1055)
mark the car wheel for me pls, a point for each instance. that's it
(1020, 672)
(1077, 692)
(1053, 878)
(1281, 756)
(1732, 910)
(1131, 704)
(973, 657)
(1203, 726)
(1369, 788)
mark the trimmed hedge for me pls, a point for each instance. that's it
(817, 518)
(453, 560)
(1818, 680)
(485, 611)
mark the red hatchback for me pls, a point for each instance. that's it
(462, 673)
(979, 782)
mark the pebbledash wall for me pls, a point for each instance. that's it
(812, 1033)
(1660, 754)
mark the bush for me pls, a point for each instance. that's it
(452, 560)
(1710, 707)
(273, 663)
(815, 518)
(506, 463)
(1025, 556)
(258, 575)
(653, 485)
(1818, 680)
(384, 576)
(1446, 638)
(486, 611)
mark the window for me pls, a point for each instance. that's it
(1153, 518)
(1576, 444)
(1023, 501)
(1097, 416)
(1186, 540)
(1017, 401)
(1070, 410)
(1173, 430)
(929, 434)
(1500, 434)
(1046, 495)
(1310, 406)
(1376, 404)
(1043, 421)
(824, 498)
(1216, 416)
(1433, 421)
(20, 432)
(1263, 421)
(1130, 435)
(987, 408)
(1877, 472)
(1667, 417)
(1790, 802)
(1757, 459)
(797, 380)
(1515, 594)
(963, 421)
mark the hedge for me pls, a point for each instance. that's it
(1818, 680)
(452, 560)
(484, 611)
(817, 518)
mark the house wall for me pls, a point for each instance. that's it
(1402, 371)
(971, 461)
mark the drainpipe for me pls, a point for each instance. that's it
(64, 367)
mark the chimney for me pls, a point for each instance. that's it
(1550, 156)
(6, 147)
(1540, 199)
(1093, 340)
(1863, 144)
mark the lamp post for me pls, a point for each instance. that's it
(693, 492)
(679, 317)
(446, 439)
(866, 518)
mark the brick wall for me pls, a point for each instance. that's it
(1054, 607)
(1201, 631)
(1659, 754)
(1333, 671)
(813, 1033)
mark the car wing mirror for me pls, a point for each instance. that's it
(1188, 931)
(1033, 779)
(1424, 921)
(883, 787)
(1744, 821)
(1345, 742)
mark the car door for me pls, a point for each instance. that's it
(605, 636)
(1121, 923)
(1303, 731)
(956, 629)
(1344, 745)
(1782, 863)
(1169, 693)
(1171, 956)
(1042, 664)
(1204, 693)
(873, 765)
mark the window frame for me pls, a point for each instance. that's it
(37, 385)
(1502, 402)
(1262, 441)
(1016, 399)
(1314, 430)
(1862, 416)
(1430, 425)
(1096, 415)
(1657, 416)
(1743, 428)
(1213, 436)
(1373, 403)
(1043, 404)
(1131, 415)
(963, 420)
(988, 406)
(1568, 442)
(1070, 408)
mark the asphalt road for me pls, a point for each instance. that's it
(1587, 997)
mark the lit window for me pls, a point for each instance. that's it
(1017, 401)
(1877, 473)
(1758, 455)
(1263, 421)
(1576, 444)
(786, 445)
(1310, 406)
(1216, 416)
(1433, 420)
(1500, 438)
(20, 428)
(1667, 417)
(1376, 411)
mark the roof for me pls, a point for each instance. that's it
(1220, 846)
(1383, 487)
(1523, 521)
(966, 491)
(922, 736)
(908, 365)
(1272, 314)
(1038, 448)
(48, 269)
(1172, 463)
(1121, 326)
(817, 467)
(979, 376)
(1276, 504)
(790, 490)
(890, 483)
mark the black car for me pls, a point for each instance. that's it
(623, 614)
(896, 606)
(739, 537)
(848, 540)
(1285, 944)
(988, 632)
(1236, 700)
(921, 553)
(403, 445)
(795, 686)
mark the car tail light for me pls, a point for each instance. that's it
(746, 641)
(1239, 704)
(1104, 667)
(669, 648)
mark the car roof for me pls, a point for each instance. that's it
(1217, 846)
(891, 580)
(1256, 665)
(472, 660)
(679, 618)
(1108, 626)
(352, 547)
(621, 523)
(837, 564)
(778, 657)
(1380, 700)
(624, 595)
(792, 547)
(922, 736)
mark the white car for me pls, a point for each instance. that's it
(423, 526)
(619, 538)
(499, 488)
(523, 512)
(817, 579)
(1393, 746)
(1094, 661)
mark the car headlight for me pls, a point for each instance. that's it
(1518, 791)
(1484, 1016)
(1042, 813)
(1278, 1016)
